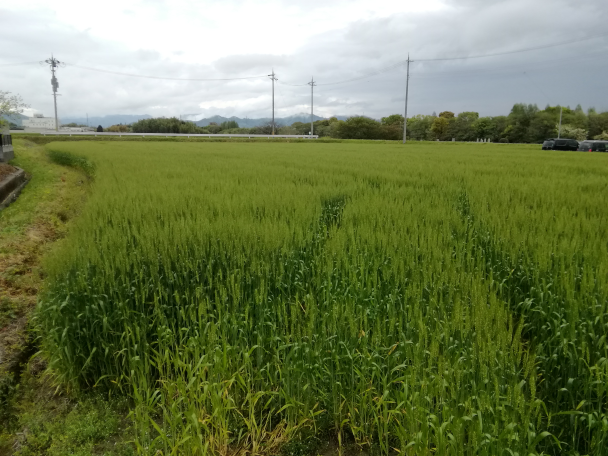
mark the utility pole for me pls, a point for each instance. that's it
(559, 131)
(312, 85)
(273, 79)
(54, 63)
(87, 119)
(407, 85)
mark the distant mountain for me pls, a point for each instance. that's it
(17, 119)
(248, 123)
(105, 121)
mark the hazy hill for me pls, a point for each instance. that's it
(17, 119)
(105, 121)
(249, 122)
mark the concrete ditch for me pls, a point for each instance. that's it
(11, 187)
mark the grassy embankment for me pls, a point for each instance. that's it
(434, 299)
(36, 417)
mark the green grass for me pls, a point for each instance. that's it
(74, 161)
(50, 200)
(88, 427)
(36, 416)
(46, 196)
(427, 299)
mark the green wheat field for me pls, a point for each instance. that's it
(427, 299)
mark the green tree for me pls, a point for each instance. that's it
(11, 104)
(573, 132)
(229, 124)
(461, 127)
(542, 126)
(167, 125)
(265, 129)
(335, 128)
(500, 125)
(484, 127)
(520, 117)
(441, 127)
(321, 131)
(597, 123)
(419, 127)
(576, 118)
(301, 128)
(602, 136)
(120, 128)
(392, 120)
(73, 125)
(357, 128)
(287, 130)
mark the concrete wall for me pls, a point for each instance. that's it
(6, 146)
(44, 123)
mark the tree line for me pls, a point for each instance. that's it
(524, 124)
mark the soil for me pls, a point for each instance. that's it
(5, 170)
(20, 278)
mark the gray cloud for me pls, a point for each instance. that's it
(569, 74)
(252, 63)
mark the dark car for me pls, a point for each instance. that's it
(593, 146)
(548, 144)
(560, 144)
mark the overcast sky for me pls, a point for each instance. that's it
(335, 41)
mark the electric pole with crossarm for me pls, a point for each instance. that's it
(407, 84)
(54, 63)
(273, 79)
(312, 85)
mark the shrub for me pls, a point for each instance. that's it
(75, 161)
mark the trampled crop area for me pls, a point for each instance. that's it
(444, 299)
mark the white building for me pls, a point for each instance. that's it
(39, 122)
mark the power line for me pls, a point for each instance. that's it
(54, 63)
(563, 43)
(403, 62)
(293, 85)
(161, 77)
(505, 72)
(537, 86)
(358, 78)
(15, 64)
(375, 73)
